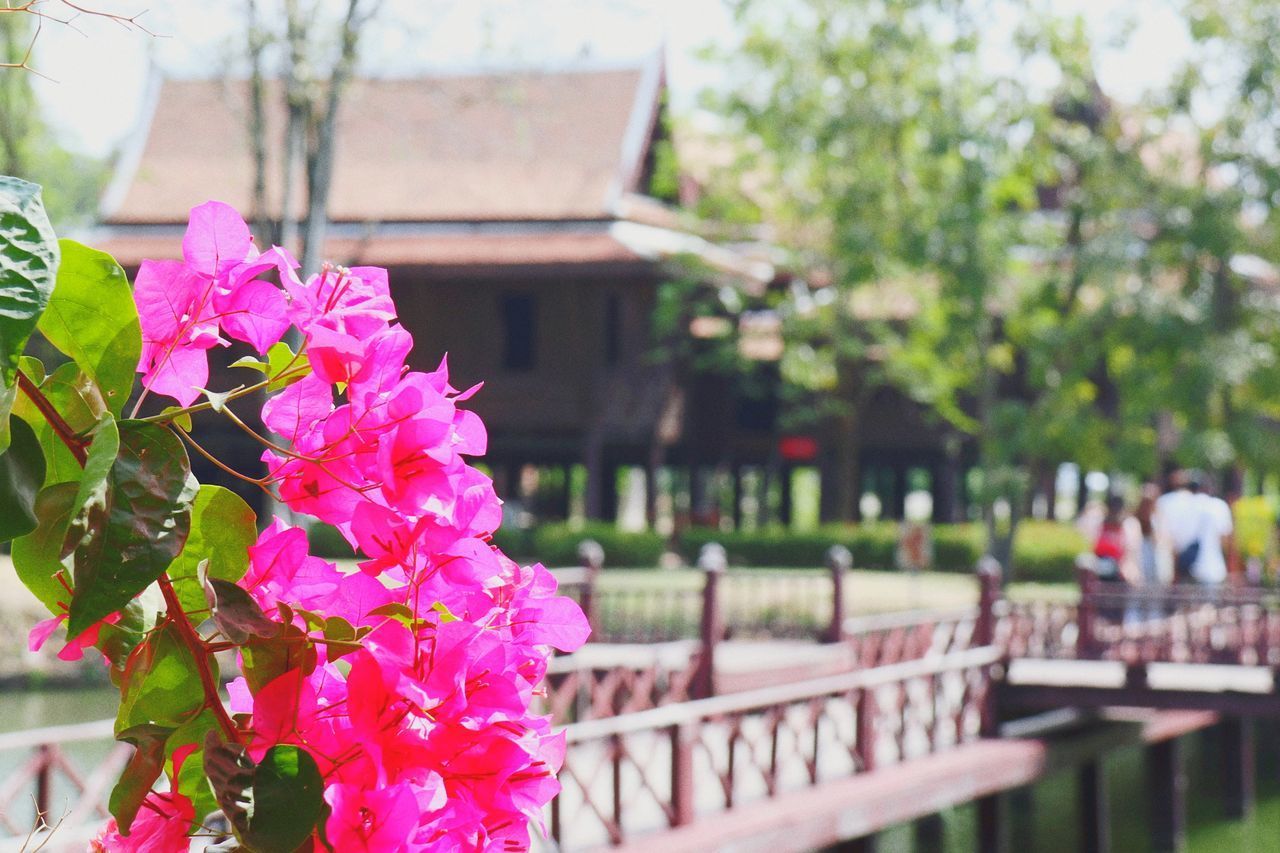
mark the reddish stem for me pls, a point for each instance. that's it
(200, 651)
(193, 641)
(63, 429)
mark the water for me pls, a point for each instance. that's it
(1043, 818)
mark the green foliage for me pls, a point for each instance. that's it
(91, 317)
(223, 527)
(557, 544)
(160, 686)
(77, 400)
(274, 805)
(21, 476)
(37, 557)
(28, 264)
(133, 525)
(1043, 551)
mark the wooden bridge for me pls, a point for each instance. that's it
(702, 743)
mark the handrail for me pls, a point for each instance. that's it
(906, 619)
(690, 712)
(28, 738)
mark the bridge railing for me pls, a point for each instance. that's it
(47, 785)
(1179, 623)
(650, 770)
(750, 603)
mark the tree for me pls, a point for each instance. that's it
(1068, 279)
(312, 67)
(28, 148)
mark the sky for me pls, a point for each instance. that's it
(96, 73)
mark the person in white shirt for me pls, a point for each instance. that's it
(1180, 516)
(1215, 531)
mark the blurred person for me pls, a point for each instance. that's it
(1181, 516)
(1116, 547)
(1153, 565)
(1217, 536)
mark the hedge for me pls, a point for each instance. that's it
(1044, 551)
(556, 545)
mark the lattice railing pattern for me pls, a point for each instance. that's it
(45, 786)
(578, 689)
(910, 635)
(642, 772)
(1180, 624)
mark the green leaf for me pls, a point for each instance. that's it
(118, 640)
(161, 685)
(77, 400)
(178, 417)
(223, 527)
(236, 614)
(92, 318)
(137, 526)
(190, 778)
(251, 363)
(8, 396)
(99, 460)
(265, 660)
(230, 772)
(21, 476)
(283, 359)
(446, 615)
(288, 800)
(142, 771)
(28, 264)
(37, 557)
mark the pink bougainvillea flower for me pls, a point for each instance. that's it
(378, 820)
(424, 730)
(185, 306)
(160, 827)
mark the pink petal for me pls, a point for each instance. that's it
(217, 238)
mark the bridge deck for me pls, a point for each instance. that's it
(870, 802)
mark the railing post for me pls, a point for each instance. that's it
(839, 561)
(1087, 612)
(713, 561)
(44, 779)
(591, 556)
(1166, 790)
(681, 775)
(984, 630)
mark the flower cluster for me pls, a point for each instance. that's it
(418, 716)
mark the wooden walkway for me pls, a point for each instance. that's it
(699, 744)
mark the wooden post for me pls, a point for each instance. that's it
(1095, 814)
(984, 634)
(929, 834)
(1086, 614)
(991, 836)
(682, 808)
(44, 779)
(591, 556)
(713, 561)
(839, 561)
(984, 630)
(1166, 788)
(1238, 767)
(865, 744)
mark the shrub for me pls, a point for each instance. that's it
(556, 544)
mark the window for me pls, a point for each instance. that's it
(612, 329)
(519, 325)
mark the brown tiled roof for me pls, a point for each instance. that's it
(526, 249)
(494, 147)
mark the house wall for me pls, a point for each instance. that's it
(544, 412)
